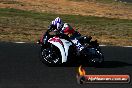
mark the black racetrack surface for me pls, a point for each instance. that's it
(20, 68)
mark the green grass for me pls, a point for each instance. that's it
(20, 25)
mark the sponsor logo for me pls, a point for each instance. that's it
(82, 78)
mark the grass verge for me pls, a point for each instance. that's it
(11, 2)
(20, 25)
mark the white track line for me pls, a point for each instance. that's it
(128, 46)
(102, 45)
(99, 45)
(20, 42)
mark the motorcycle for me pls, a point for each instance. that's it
(59, 49)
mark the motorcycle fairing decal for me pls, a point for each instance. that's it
(78, 45)
(66, 44)
(63, 46)
(55, 39)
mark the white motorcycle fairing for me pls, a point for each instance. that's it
(63, 45)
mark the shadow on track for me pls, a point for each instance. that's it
(105, 64)
(114, 64)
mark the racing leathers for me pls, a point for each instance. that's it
(59, 27)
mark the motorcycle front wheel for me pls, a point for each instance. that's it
(51, 56)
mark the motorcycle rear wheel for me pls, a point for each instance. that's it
(97, 61)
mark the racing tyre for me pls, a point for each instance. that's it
(97, 60)
(51, 56)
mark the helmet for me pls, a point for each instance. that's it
(57, 22)
(67, 29)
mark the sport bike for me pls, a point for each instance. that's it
(59, 49)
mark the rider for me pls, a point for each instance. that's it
(58, 26)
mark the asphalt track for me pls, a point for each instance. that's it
(20, 68)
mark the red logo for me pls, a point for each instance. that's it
(56, 39)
